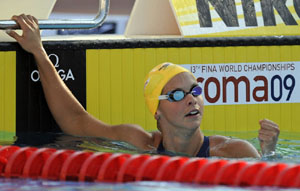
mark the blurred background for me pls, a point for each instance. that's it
(117, 7)
(115, 23)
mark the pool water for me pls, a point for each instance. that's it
(40, 185)
(288, 151)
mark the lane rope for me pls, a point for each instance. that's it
(52, 164)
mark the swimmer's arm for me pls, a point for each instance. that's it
(65, 108)
(87, 125)
(232, 148)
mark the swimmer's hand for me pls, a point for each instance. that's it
(268, 136)
(31, 38)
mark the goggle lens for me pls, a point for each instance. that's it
(178, 95)
(196, 91)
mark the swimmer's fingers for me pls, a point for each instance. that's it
(21, 20)
(268, 123)
(267, 140)
(265, 136)
(26, 22)
(22, 23)
(270, 127)
(35, 20)
(32, 21)
(273, 133)
(14, 35)
(30, 40)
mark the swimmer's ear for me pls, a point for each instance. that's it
(157, 115)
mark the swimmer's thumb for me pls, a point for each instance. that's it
(13, 34)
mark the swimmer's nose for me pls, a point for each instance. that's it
(191, 100)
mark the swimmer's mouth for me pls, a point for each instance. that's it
(193, 112)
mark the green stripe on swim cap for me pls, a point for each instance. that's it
(156, 80)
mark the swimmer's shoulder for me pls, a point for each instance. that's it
(222, 146)
(133, 134)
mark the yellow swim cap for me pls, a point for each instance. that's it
(156, 80)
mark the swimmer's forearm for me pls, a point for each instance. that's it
(67, 111)
(267, 149)
(64, 107)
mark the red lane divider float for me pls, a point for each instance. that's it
(35, 163)
(52, 164)
(71, 167)
(92, 165)
(129, 170)
(5, 153)
(110, 168)
(16, 162)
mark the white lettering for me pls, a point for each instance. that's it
(248, 83)
(56, 64)
(35, 76)
(65, 76)
(70, 75)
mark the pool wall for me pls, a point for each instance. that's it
(107, 77)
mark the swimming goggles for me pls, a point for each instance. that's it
(178, 95)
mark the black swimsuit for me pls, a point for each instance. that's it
(203, 152)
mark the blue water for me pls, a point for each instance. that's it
(40, 185)
(288, 151)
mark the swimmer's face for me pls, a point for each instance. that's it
(185, 113)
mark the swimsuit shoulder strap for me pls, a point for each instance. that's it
(160, 148)
(204, 150)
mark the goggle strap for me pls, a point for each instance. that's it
(162, 97)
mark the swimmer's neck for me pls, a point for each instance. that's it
(183, 141)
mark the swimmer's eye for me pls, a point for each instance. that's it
(178, 95)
